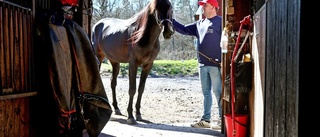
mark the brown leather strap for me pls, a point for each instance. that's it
(210, 59)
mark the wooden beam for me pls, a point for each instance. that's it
(19, 95)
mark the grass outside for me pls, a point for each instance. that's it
(162, 68)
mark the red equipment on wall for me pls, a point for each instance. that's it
(236, 123)
(70, 2)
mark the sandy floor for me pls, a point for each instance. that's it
(168, 107)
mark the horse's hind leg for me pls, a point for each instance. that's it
(143, 78)
(115, 73)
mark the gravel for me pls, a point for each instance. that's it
(167, 103)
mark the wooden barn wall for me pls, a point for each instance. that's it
(282, 68)
(15, 67)
(17, 81)
(83, 15)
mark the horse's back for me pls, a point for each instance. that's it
(111, 36)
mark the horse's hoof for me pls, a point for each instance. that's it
(131, 121)
(138, 117)
(117, 112)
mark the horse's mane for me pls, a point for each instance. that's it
(141, 20)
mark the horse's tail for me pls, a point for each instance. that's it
(94, 44)
(93, 35)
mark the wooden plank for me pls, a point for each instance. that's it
(29, 49)
(269, 91)
(282, 67)
(281, 70)
(14, 118)
(16, 75)
(1, 50)
(24, 117)
(292, 106)
(6, 60)
(26, 39)
(2, 118)
(21, 53)
(19, 95)
(8, 117)
(10, 50)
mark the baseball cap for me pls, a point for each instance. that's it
(212, 2)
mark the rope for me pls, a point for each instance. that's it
(210, 59)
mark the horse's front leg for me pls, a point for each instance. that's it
(132, 91)
(115, 73)
(143, 78)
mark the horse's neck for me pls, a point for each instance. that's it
(148, 32)
(153, 30)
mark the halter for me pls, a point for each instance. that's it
(166, 20)
(170, 21)
(160, 22)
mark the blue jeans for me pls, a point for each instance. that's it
(210, 78)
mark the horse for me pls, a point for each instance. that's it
(134, 41)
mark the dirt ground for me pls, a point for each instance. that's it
(168, 107)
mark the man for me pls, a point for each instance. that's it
(208, 32)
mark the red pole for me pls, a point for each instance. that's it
(245, 21)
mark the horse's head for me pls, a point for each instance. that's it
(163, 15)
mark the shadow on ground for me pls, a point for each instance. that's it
(118, 127)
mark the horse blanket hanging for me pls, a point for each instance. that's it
(68, 81)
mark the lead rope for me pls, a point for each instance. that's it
(210, 59)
